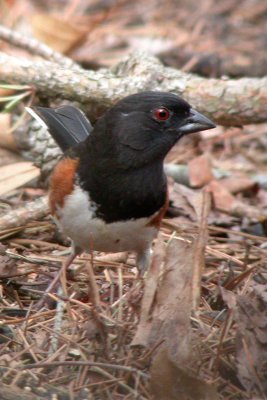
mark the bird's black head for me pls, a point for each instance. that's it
(146, 125)
(121, 162)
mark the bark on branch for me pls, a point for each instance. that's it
(228, 102)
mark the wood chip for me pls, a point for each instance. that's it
(15, 175)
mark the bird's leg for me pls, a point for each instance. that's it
(75, 251)
(143, 260)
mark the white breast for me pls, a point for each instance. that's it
(77, 221)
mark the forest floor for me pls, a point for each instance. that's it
(216, 224)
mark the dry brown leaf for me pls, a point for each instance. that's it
(197, 204)
(190, 200)
(228, 297)
(167, 300)
(224, 201)
(15, 175)
(222, 198)
(151, 282)
(165, 322)
(261, 292)
(199, 247)
(91, 328)
(179, 199)
(200, 171)
(236, 184)
(170, 381)
(8, 266)
(242, 210)
(7, 139)
(251, 343)
(59, 34)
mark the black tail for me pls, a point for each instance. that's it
(67, 125)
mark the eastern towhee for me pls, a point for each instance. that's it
(109, 191)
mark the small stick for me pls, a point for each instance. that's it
(33, 46)
(57, 323)
(93, 286)
(199, 248)
(84, 364)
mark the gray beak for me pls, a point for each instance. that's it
(196, 122)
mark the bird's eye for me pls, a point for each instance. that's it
(162, 114)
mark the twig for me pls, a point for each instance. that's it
(120, 276)
(31, 318)
(57, 323)
(85, 364)
(32, 260)
(199, 248)
(96, 366)
(24, 339)
(17, 274)
(93, 286)
(122, 384)
(219, 229)
(33, 46)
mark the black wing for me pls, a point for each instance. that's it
(67, 125)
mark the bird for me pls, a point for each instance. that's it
(109, 191)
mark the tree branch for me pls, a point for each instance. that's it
(226, 101)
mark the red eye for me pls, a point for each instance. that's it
(162, 114)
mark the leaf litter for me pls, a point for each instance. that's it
(196, 326)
